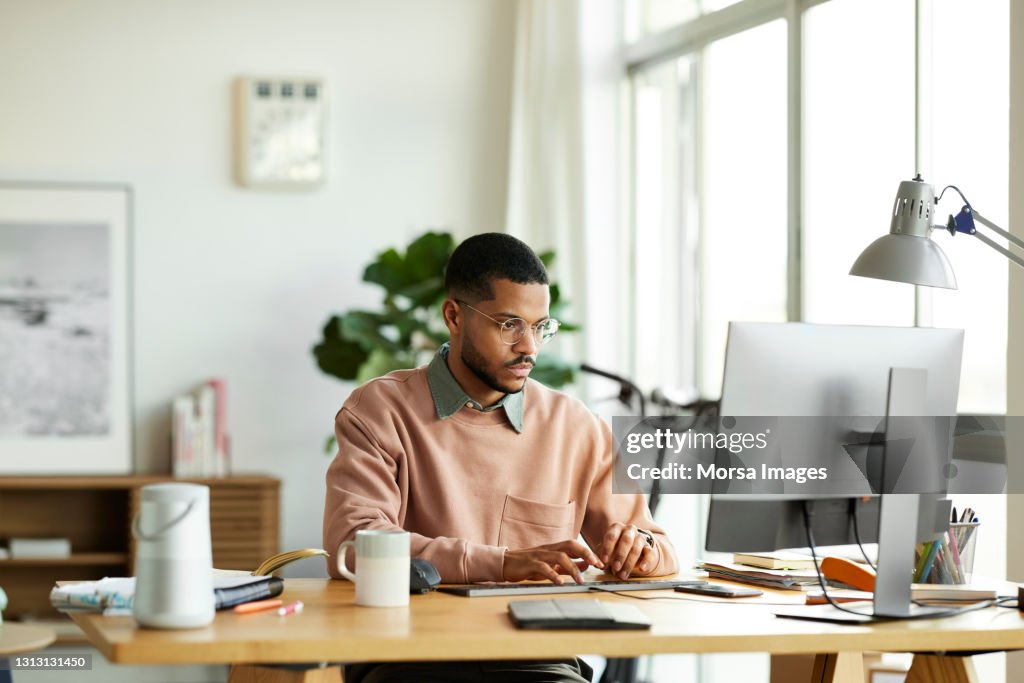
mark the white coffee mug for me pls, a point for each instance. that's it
(382, 567)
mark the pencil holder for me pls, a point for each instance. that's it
(950, 559)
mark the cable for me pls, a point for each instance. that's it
(712, 601)
(1007, 601)
(957, 189)
(806, 513)
(805, 508)
(856, 534)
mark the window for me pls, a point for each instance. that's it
(743, 226)
(969, 143)
(858, 142)
(721, 196)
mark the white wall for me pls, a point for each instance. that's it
(234, 282)
(1015, 342)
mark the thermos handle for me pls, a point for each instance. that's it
(137, 529)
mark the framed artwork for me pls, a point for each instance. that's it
(65, 352)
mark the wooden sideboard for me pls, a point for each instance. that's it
(95, 514)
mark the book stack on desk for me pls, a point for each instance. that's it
(924, 592)
(116, 595)
(780, 579)
(782, 559)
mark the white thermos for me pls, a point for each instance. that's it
(173, 558)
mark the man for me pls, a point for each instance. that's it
(494, 475)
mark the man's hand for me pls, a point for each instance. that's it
(549, 562)
(624, 549)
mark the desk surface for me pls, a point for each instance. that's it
(18, 638)
(439, 626)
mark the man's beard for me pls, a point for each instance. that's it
(477, 364)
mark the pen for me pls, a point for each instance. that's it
(257, 606)
(293, 608)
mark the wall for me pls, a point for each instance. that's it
(1015, 345)
(234, 282)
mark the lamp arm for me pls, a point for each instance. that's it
(1002, 233)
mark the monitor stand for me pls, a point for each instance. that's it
(899, 516)
(897, 536)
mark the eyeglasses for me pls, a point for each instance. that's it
(513, 329)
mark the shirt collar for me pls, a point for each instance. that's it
(450, 398)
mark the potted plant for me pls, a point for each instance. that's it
(408, 329)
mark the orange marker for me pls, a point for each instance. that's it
(258, 606)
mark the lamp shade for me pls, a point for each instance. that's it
(907, 253)
(906, 258)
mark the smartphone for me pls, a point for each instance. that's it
(720, 591)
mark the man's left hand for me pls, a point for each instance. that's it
(624, 549)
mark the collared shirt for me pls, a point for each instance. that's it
(450, 397)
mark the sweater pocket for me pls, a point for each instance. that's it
(528, 523)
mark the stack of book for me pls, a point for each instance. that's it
(783, 579)
(199, 434)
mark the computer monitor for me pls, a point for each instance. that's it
(834, 370)
(860, 376)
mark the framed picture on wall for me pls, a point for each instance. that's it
(65, 348)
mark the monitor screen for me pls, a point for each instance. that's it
(840, 373)
(859, 379)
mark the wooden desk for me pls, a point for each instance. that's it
(446, 627)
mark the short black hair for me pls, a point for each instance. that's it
(491, 256)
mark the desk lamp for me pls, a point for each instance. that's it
(907, 254)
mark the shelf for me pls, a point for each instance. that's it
(75, 560)
(95, 514)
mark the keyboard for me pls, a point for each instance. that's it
(479, 590)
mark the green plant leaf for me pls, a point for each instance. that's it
(339, 357)
(425, 293)
(405, 275)
(547, 258)
(553, 371)
(365, 328)
(428, 254)
(380, 362)
(388, 271)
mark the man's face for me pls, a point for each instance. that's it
(503, 367)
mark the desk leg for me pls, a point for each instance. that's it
(839, 667)
(254, 673)
(940, 669)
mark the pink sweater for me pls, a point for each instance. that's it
(469, 487)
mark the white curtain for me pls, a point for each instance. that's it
(545, 191)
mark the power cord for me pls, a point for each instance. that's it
(806, 510)
(712, 601)
(856, 534)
